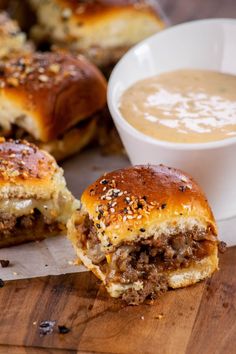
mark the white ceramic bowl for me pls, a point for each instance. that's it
(205, 44)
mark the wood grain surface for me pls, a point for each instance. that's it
(197, 320)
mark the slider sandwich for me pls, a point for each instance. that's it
(102, 30)
(34, 200)
(52, 100)
(144, 229)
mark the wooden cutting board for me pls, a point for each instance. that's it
(198, 319)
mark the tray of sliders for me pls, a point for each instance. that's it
(116, 161)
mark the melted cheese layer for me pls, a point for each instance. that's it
(59, 209)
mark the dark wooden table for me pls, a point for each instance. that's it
(199, 319)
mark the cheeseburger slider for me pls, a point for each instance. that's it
(100, 29)
(144, 229)
(12, 40)
(51, 99)
(34, 200)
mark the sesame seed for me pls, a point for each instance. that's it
(66, 13)
(29, 70)
(12, 81)
(43, 78)
(182, 188)
(139, 217)
(41, 70)
(124, 218)
(112, 210)
(103, 181)
(54, 68)
(102, 225)
(116, 190)
(184, 179)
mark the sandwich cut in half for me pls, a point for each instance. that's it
(34, 200)
(144, 229)
(52, 100)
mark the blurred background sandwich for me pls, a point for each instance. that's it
(35, 202)
(51, 99)
(102, 30)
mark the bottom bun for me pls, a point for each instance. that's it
(196, 272)
(29, 236)
(71, 142)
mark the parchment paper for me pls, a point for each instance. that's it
(55, 255)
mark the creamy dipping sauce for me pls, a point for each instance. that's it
(183, 106)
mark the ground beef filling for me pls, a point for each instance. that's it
(34, 224)
(146, 260)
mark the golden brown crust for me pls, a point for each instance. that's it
(21, 161)
(90, 9)
(142, 197)
(56, 90)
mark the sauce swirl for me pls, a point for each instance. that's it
(183, 106)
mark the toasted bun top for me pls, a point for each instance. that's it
(89, 9)
(26, 171)
(53, 91)
(20, 161)
(141, 199)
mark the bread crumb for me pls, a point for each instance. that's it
(159, 317)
